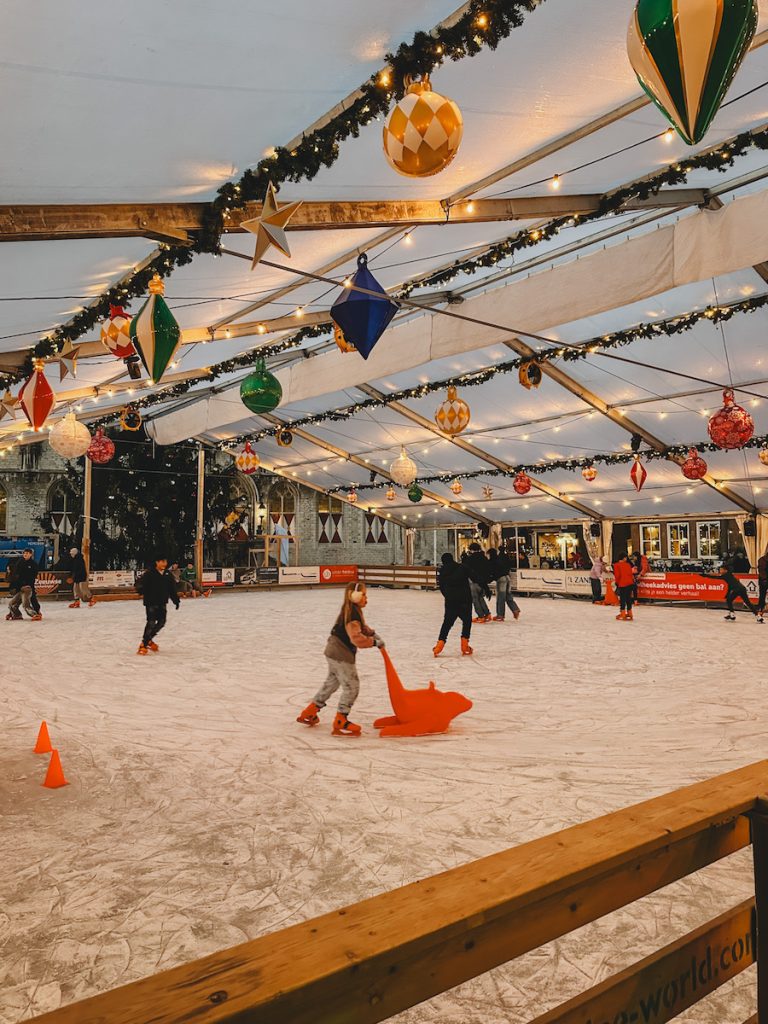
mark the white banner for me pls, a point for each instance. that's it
(552, 581)
(112, 578)
(299, 574)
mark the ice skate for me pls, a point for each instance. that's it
(498, 618)
(207, 593)
(153, 646)
(517, 613)
(730, 617)
(10, 617)
(92, 603)
(759, 618)
(465, 648)
(75, 604)
(37, 617)
(630, 617)
(621, 617)
(482, 619)
(343, 727)
(438, 648)
(310, 715)
(142, 649)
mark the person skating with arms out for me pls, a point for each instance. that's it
(735, 591)
(157, 588)
(350, 633)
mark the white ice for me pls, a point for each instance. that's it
(200, 814)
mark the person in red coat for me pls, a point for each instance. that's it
(624, 577)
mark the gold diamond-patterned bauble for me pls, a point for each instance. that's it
(403, 470)
(457, 487)
(453, 415)
(247, 461)
(70, 438)
(116, 333)
(694, 467)
(352, 497)
(530, 374)
(341, 341)
(589, 473)
(391, 494)
(763, 456)
(284, 438)
(522, 483)
(423, 133)
(732, 426)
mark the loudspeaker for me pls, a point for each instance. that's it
(750, 528)
(594, 529)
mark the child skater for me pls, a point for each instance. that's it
(453, 580)
(735, 590)
(157, 587)
(349, 633)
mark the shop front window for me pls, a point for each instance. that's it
(709, 540)
(678, 540)
(650, 540)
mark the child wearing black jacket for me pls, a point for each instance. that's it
(453, 580)
(157, 588)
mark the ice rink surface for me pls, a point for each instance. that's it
(200, 814)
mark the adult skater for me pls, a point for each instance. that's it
(624, 578)
(735, 591)
(350, 632)
(640, 566)
(479, 578)
(596, 574)
(762, 579)
(22, 573)
(157, 588)
(500, 566)
(453, 580)
(79, 574)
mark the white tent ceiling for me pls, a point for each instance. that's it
(169, 100)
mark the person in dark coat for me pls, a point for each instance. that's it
(740, 561)
(157, 587)
(735, 591)
(79, 574)
(453, 580)
(762, 576)
(500, 566)
(22, 573)
(479, 577)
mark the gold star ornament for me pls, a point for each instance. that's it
(269, 228)
(68, 359)
(8, 405)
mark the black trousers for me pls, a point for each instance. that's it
(627, 597)
(156, 616)
(453, 612)
(734, 595)
(762, 595)
(597, 589)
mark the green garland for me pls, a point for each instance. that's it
(317, 150)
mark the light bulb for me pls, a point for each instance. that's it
(555, 183)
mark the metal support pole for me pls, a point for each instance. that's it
(759, 827)
(87, 493)
(199, 522)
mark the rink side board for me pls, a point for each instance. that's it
(367, 962)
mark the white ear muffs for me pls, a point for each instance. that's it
(357, 595)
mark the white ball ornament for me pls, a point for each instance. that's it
(70, 438)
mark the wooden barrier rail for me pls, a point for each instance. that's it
(367, 962)
(399, 575)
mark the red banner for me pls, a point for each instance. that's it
(687, 586)
(338, 574)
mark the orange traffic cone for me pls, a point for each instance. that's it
(55, 775)
(43, 745)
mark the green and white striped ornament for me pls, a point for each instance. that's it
(686, 53)
(154, 331)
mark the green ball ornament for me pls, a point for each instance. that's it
(686, 53)
(415, 493)
(261, 390)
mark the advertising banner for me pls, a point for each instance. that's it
(50, 582)
(299, 574)
(269, 574)
(218, 577)
(112, 578)
(541, 580)
(338, 574)
(687, 586)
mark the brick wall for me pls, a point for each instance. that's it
(26, 490)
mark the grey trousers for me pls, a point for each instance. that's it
(340, 674)
(504, 596)
(478, 600)
(22, 597)
(81, 591)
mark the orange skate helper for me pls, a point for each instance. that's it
(349, 634)
(418, 712)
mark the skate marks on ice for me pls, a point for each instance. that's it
(199, 814)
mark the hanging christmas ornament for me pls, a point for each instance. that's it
(154, 331)
(762, 454)
(391, 494)
(284, 438)
(530, 375)
(423, 133)
(352, 497)
(115, 334)
(8, 405)
(269, 228)
(685, 54)
(694, 467)
(130, 418)
(415, 493)
(70, 438)
(638, 474)
(453, 415)
(341, 341)
(522, 483)
(403, 470)
(68, 360)
(101, 450)
(261, 390)
(732, 426)
(487, 492)
(589, 473)
(247, 461)
(363, 318)
(456, 486)
(36, 397)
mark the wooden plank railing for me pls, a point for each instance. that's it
(367, 962)
(399, 575)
